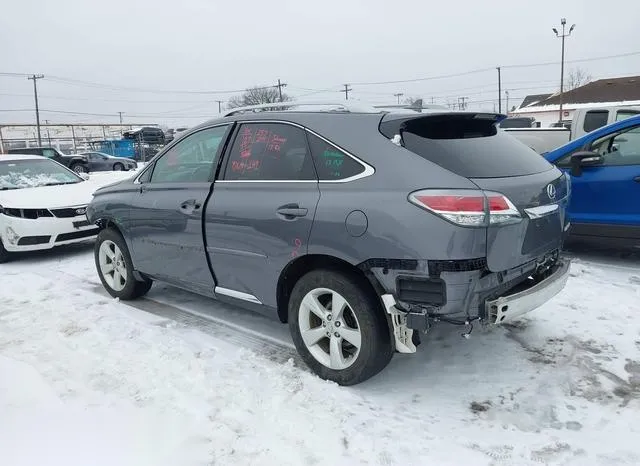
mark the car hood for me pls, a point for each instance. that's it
(52, 197)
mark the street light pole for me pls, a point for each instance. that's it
(563, 23)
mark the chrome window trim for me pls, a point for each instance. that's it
(236, 294)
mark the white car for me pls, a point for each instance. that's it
(42, 204)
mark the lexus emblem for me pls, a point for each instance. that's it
(551, 191)
(81, 211)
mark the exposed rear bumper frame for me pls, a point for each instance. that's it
(508, 307)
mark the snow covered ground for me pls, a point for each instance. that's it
(174, 379)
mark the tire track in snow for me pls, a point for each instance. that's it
(265, 345)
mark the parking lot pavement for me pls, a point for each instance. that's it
(180, 376)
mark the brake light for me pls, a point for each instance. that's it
(469, 208)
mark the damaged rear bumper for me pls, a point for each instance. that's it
(509, 305)
(524, 298)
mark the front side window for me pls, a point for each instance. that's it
(270, 152)
(191, 160)
(49, 153)
(595, 119)
(619, 149)
(331, 163)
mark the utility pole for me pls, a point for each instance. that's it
(461, 103)
(499, 91)
(563, 23)
(506, 94)
(433, 100)
(398, 95)
(279, 86)
(346, 91)
(121, 131)
(220, 104)
(46, 122)
(35, 78)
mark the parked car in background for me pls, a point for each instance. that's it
(360, 229)
(605, 171)
(77, 163)
(97, 161)
(544, 140)
(146, 135)
(42, 204)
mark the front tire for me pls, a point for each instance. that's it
(118, 167)
(5, 256)
(338, 327)
(115, 268)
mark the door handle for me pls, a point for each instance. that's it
(637, 179)
(291, 211)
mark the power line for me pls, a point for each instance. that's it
(580, 60)
(429, 78)
(17, 75)
(77, 82)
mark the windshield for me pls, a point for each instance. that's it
(16, 174)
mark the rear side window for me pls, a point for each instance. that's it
(269, 152)
(595, 119)
(331, 163)
(468, 146)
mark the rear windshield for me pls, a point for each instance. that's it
(466, 145)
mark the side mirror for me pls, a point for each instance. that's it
(584, 159)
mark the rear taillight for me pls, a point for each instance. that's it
(468, 208)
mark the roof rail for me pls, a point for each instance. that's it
(275, 106)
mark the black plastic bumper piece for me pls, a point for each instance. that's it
(421, 290)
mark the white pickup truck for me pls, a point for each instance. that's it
(585, 120)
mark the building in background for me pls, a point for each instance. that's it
(617, 92)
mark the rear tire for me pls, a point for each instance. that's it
(347, 345)
(115, 268)
(5, 256)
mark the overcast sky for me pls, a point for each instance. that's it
(211, 45)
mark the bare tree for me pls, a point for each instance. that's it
(413, 101)
(256, 96)
(577, 77)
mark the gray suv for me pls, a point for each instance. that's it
(361, 229)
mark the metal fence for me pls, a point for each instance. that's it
(71, 138)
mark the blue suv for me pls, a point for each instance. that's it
(605, 175)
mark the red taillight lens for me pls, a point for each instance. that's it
(453, 203)
(498, 203)
(472, 208)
